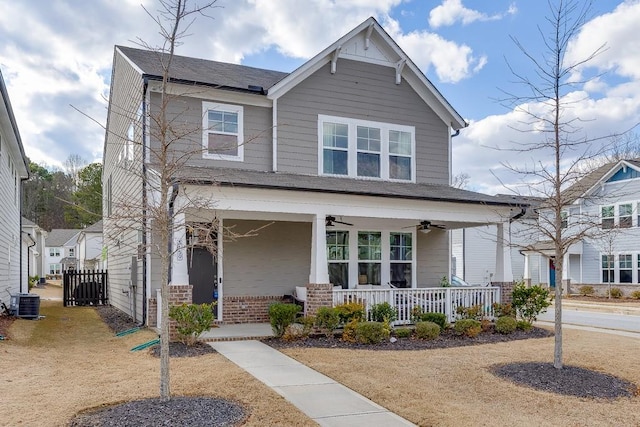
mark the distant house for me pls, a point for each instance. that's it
(14, 168)
(60, 250)
(34, 247)
(89, 248)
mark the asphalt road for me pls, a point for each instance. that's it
(619, 322)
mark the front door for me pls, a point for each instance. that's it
(203, 275)
(552, 273)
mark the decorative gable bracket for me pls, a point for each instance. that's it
(367, 37)
(334, 59)
(399, 66)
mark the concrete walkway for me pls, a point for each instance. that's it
(321, 398)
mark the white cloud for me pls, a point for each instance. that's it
(452, 11)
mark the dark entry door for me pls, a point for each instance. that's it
(203, 275)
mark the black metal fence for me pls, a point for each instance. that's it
(85, 287)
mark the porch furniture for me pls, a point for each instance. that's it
(300, 297)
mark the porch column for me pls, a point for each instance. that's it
(319, 271)
(526, 276)
(504, 273)
(566, 281)
(179, 271)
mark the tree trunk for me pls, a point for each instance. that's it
(557, 351)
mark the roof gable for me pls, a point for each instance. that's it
(624, 172)
(369, 42)
(599, 177)
(59, 237)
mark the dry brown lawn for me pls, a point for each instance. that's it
(70, 361)
(453, 387)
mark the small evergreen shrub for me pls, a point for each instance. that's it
(192, 320)
(416, 313)
(506, 325)
(402, 332)
(349, 331)
(350, 311)
(615, 293)
(467, 327)
(427, 330)
(505, 309)
(439, 319)
(523, 325)
(474, 312)
(33, 281)
(635, 294)
(383, 312)
(586, 290)
(281, 316)
(530, 301)
(327, 320)
(371, 332)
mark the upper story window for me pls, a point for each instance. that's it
(72, 252)
(222, 126)
(564, 219)
(624, 212)
(365, 149)
(608, 217)
(54, 251)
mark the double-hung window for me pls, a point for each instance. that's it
(564, 219)
(338, 257)
(625, 218)
(625, 262)
(222, 126)
(366, 149)
(608, 269)
(400, 264)
(608, 217)
(370, 257)
(54, 251)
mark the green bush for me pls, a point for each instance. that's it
(416, 313)
(615, 293)
(635, 294)
(505, 309)
(349, 331)
(33, 280)
(468, 327)
(402, 332)
(192, 320)
(327, 320)
(383, 312)
(350, 311)
(474, 312)
(439, 319)
(530, 301)
(506, 325)
(281, 316)
(371, 332)
(586, 290)
(427, 330)
(523, 325)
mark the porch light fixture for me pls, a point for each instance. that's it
(424, 227)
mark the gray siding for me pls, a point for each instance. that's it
(186, 116)
(272, 263)
(432, 258)
(361, 91)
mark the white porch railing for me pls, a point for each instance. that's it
(430, 300)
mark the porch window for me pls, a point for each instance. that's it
(338, 257)
(608, 217)
(370, 257)
(624, 212)
(223, 137)
(608, 269)
(401, 255)
(625, 262)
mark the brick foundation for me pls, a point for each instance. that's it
(506, 291)
(152, 313)
(318, 295)
(248, 309)
(602, 289)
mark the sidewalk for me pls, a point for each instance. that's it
(321, 398)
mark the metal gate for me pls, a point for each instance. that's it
(85, 287)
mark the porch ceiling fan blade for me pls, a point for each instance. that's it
(330, 221)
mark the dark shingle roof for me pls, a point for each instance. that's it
(203, 71)
(578, 189)
(27, 221)
(94, 228)
(324, 184)
(59, 236)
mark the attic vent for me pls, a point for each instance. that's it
(254, 88)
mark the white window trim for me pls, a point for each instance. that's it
(352, 156)
(635, 267)
(216, 106)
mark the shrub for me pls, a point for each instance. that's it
(586, 290)
(281, 316)
(615, 293)
(427, 330)
(416, 313)
(506, 325)
(402, 332)
(468, 327)
(523, 325)
(33, 280)
(371, 332)
(439, 319)
(444, 282)
(192, 320)
(635, 294)
(474, 312)
(383, 312)
(505, 309)
(530, 301)
(349, 331)
(327, 319)
(350, 311)
(307, 322)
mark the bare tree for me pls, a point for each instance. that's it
(461, 180)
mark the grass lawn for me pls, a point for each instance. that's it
(69, 361)
(453, 387)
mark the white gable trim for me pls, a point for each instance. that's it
(341, 48)
(129, 61)
(602, 181)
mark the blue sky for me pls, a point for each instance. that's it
(55, 54)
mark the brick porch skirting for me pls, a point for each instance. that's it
(248, 309)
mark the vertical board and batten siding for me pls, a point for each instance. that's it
(186, 115)
(10, 239)
(360, 91)
(273, 262)
(432, 258)
(126, 98)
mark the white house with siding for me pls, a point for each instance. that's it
(342, 166)
(14, 168)
(34, 247)
(89, 248)
(60, 250)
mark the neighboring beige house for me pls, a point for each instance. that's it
(89, 248)
(33, 263)
(14, 168)
(344, 165)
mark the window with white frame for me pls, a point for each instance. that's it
(625, 267)
(608, 217)
(366, 149)
(338, 258)
(625, 218)
(55, 269)
(638, 268)
(564, 219)
(370, 257)
(608, 269)
(401, 255)
(54, 251)
(222, 126)
(72, 252)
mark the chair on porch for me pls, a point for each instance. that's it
(300, 297)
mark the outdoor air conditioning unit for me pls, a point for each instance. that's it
(25, 305)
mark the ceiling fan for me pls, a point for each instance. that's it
(426, 226)
(330, 221)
